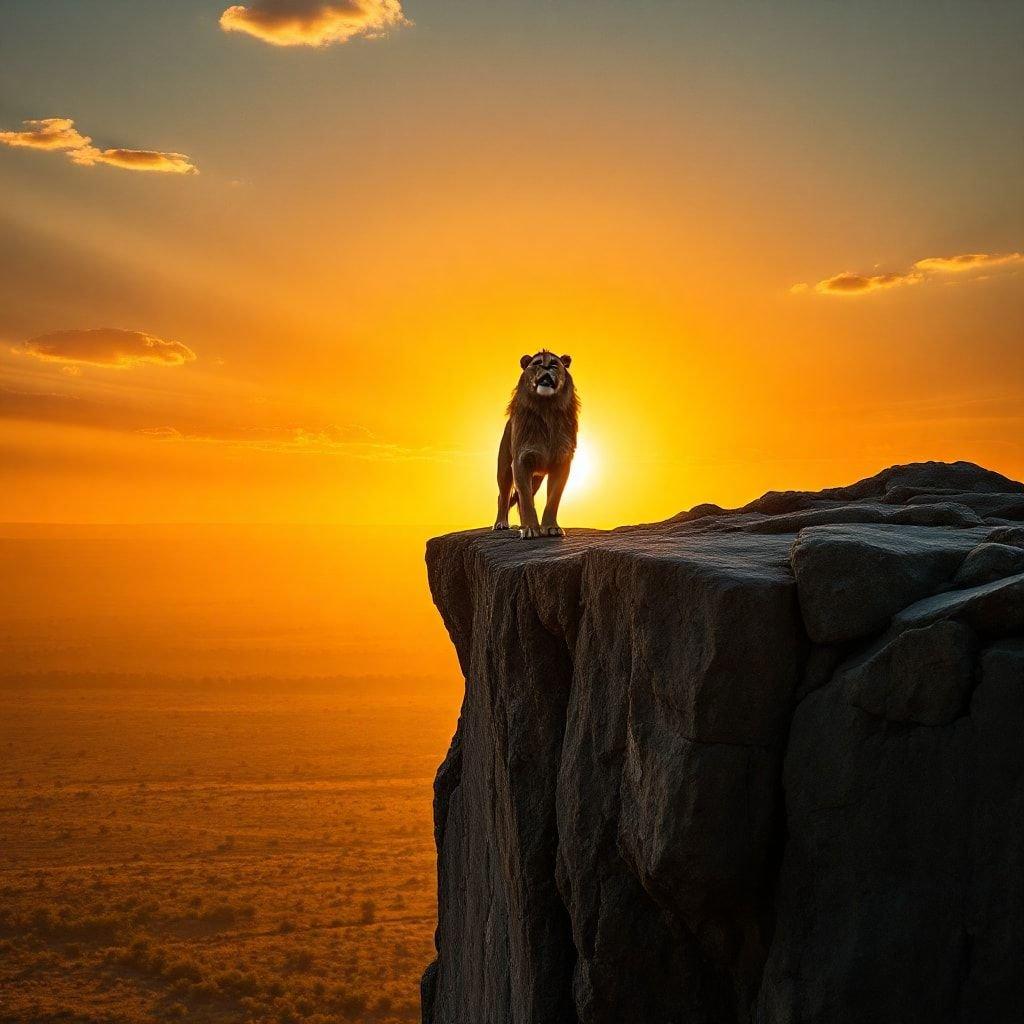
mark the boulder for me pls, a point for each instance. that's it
(998, 506)
(1012, 535)
(928, 477)
(852, 579)
(922, 676)
(989, 562)
(994, 609)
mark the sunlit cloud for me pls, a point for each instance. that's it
(858, 284)
(968, 261)
(59, 134)
(53, 133)
(106, 346)
(136, 160)
(313, 22)
(850, 283)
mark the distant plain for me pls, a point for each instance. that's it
(217, 846)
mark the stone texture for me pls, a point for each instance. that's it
(1013, 535)
(995, 609)
(922, 676)
(901, 893)
(989, 562)
(752, 765)
(853, 579)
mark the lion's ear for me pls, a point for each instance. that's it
(524, 361)
(566, 361)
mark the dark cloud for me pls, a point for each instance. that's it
(313, 22)
(107, 346)
(849, 283)
(59, 134)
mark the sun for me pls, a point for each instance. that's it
(585, 466)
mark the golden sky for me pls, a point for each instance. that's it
(277, 262)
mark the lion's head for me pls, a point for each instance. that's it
(545, 374)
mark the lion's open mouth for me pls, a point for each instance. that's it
(545, 383)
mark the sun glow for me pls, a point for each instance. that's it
(585, 467)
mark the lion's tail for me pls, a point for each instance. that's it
(515, 499)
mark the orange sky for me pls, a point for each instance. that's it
(741, 223)
(202, 601)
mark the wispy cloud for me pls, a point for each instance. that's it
(857, 284)
(851, 284)
(106, 346)
(313, 22)
(132, 413)
(136, 160)
(59, 407)
(351, 441)
(59, 134)
(968, 261)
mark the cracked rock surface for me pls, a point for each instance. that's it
(761, 765)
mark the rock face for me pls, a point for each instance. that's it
(762, 765)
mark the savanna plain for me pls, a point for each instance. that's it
(218, 747)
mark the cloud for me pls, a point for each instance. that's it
(133, 414)
(349, 440)
(59, 134)
(858, 284)
(162, 433)
(57, 407)
(136, 160)
(313, 22)
(106, 347)
(850, 283)
(968, 261)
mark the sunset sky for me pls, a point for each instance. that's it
(278, 262)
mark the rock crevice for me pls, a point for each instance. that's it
(762, 765)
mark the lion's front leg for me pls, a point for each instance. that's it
(504, 501)
(557, 479)
(522, 472)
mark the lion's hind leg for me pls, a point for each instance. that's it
(506, 493)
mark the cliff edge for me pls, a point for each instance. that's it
(761, 765)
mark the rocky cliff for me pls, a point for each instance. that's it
(762, 765)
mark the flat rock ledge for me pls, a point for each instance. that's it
(763, 765)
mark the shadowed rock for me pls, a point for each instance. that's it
(751, 765)
(923, 676)
(996, 608)
(1013, 535)
(989, 562)
(853, 579)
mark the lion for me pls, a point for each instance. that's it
(539, 441)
